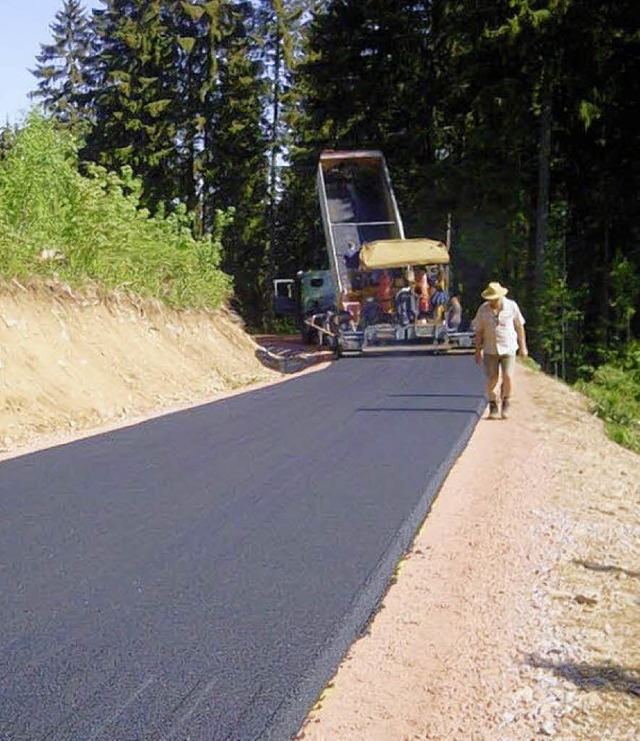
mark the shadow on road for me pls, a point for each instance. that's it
(442, 410)
(475, 397)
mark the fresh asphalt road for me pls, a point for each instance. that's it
(199, 576)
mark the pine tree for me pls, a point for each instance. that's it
(235, 164)
(279, 26)
(196, 79)
(365, 61)
(63, 68)
(365, 82)
(597, 103)
(136, 67)
(181, 101)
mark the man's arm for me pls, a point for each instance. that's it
(478, 339)
(522, 338)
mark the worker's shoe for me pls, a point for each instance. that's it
(505, 408)
(493, 410)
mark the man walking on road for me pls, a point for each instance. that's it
(499, 327)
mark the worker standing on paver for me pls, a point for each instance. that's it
(499, 328)
(384, 292)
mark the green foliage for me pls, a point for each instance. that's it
(614, 391)
(503, 64)
(39, 191)
(500, 112)
(368, 79)
(7, 138)
(558, 317)
(234, 168)
(597, 98)
(64, 69)
(559, 321)
(282, 326)
(137, 99)
(55, 221)
(625, 290)
(181, 101)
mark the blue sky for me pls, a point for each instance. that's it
(25, 25)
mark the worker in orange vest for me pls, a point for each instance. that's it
(422, 289)
(384, 291)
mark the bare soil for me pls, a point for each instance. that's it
(516, 613)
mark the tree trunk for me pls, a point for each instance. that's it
(544, 166)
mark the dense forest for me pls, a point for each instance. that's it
(516, 117)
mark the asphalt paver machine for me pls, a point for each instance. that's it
(381, 290)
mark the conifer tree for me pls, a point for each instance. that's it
(181, 101)
(196, 79)
(136, 69)
(596, 109)
(280, 27)
(234, 170)
(365, 82)
(540, 97)
(63, 71)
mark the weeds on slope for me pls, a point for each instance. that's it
(56, 221)
(614, 392)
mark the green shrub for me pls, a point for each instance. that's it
(91, 227)
(614, 391)
(39, 188)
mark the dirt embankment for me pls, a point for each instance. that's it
(70, 363)
(515, 615)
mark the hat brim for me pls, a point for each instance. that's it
(491, 295)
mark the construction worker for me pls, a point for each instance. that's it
(423, 290)
(383, 294)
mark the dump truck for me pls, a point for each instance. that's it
(380, 289)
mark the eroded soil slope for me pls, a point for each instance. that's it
(69, 363)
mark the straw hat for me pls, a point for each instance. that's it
(493, 291)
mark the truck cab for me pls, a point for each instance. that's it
(310, 293)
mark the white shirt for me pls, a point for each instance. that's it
(499, 335)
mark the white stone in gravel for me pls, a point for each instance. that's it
(549, 680)
(547, 728)
(526, 694)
